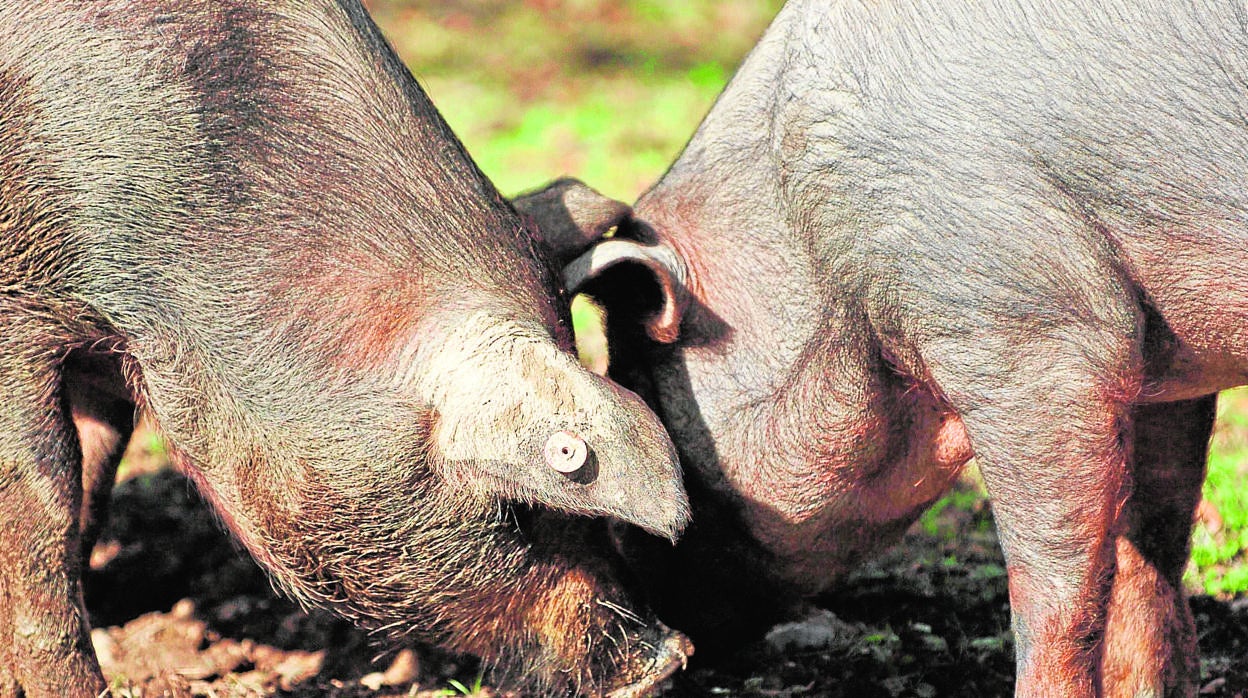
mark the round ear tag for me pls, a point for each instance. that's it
(566, 452)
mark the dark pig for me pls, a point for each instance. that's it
(908, 233)
(247, 219)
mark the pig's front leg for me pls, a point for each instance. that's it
(103, 416)
(1056, 495)
(1150, 637)
(1043, 366)
(47, 644)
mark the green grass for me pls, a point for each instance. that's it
(605, 90)
(1220, 541)
(936, 524)
(459, 689)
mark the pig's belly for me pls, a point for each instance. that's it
(860, 509)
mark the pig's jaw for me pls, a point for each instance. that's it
(512, 409)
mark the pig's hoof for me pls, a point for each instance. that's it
(671, 655)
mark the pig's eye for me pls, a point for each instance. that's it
(566, 452)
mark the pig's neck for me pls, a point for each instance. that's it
(781, 398)
(779, 392)
(758, 335)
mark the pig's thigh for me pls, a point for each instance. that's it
(48, 645)
(1150, 641)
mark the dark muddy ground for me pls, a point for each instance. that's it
(179, 611)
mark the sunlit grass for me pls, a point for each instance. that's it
(605, 90)
(1220, 541)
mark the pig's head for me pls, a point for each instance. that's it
(512, 414)
(501, 460)
(519, 456)
(521, 445)
(717, 582)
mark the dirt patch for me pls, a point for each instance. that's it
(180, 611)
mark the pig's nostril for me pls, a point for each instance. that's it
(566, 452)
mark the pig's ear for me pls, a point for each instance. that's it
(570, 216)
(659, 261)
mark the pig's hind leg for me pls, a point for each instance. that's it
(1150, 639)
(46, 648)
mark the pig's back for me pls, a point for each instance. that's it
(1111, 138)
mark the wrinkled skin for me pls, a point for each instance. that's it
(248, 220)
(910, 233)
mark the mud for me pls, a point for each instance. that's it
(180, 611)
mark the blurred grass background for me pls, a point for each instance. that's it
(610, 90)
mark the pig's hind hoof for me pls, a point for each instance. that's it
(669, 656)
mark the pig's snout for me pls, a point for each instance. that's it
(648, 673)
(566, 452)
